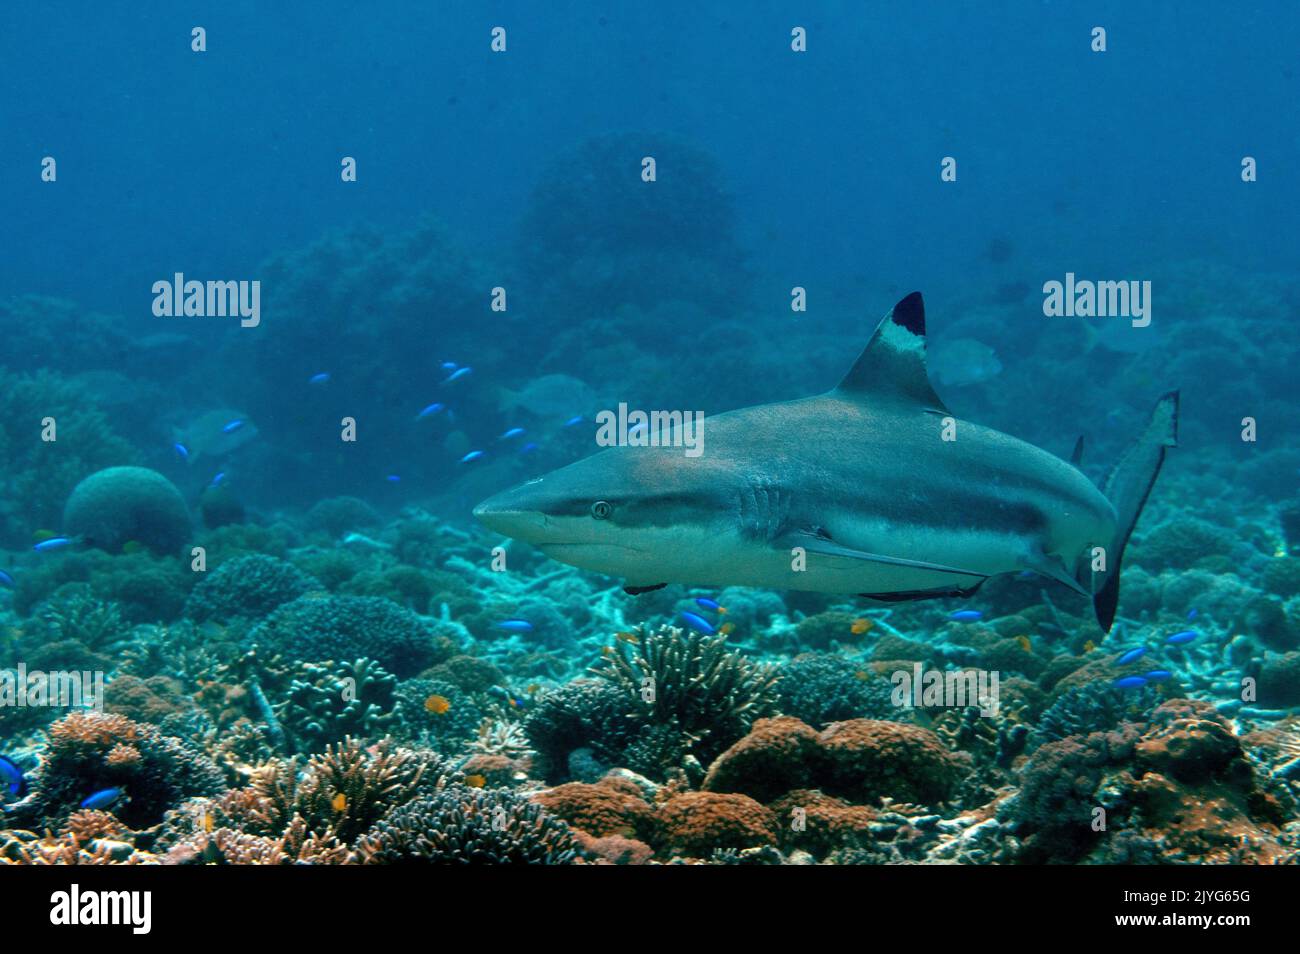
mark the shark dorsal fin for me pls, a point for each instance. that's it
(892, 366)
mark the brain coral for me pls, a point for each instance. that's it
(250, 586)
(349, 627)
(123, 504)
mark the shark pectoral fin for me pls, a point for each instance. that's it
(638, 590)
(815, 543)
(1053, 568)
(1076, 457)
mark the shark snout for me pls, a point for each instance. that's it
(508, 516)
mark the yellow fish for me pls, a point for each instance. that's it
(339, 802)
(862, 675)
(475, 781)
(438, 705)
(207, 821)
(727, 628)
(1089, 646)
(1025, 644)
(627, 638)
(132, 546)
(861, 626)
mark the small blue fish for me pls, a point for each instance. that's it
(1183, 638)
(515, 626)
(513, 432)
(472, 455)
(102, 799)
(432, 409)
(53, 543)
(6, 579)
(707, 603)
(182, 451)
(1131, 655)
(393, 479)
(1155, 675)
(458, 374)
(11, 776)
(449, 366)
(1191, 614)
(695, 621)
(218, 480)
(517, 701)
(966, 616)
(322, 378)
(232, 426)
(528, 448)
(1130, 682)
(1026, 575)
(576, 419)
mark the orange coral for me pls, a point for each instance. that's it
(698, 823)
(778, 755)
(827, 823)
(600, 809)
(866, 759)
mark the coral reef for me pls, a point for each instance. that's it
(90, 752)
(122, 505)
(250, 587)
(39, 475)
(692, 685)
(465, 826)
(317, 628)
(821, 687)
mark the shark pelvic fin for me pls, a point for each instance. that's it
(1053, 568)
(892, 366)
(817, 543)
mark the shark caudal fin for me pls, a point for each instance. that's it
(1127, 487)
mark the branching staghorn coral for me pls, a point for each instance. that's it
(326, 703)
(308, 809)
(497, 736)
(469, 826)
(90, 751)
(695, 683)
(73, 613)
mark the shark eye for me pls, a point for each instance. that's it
(601, 509)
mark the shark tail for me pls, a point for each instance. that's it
(1127, 487)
